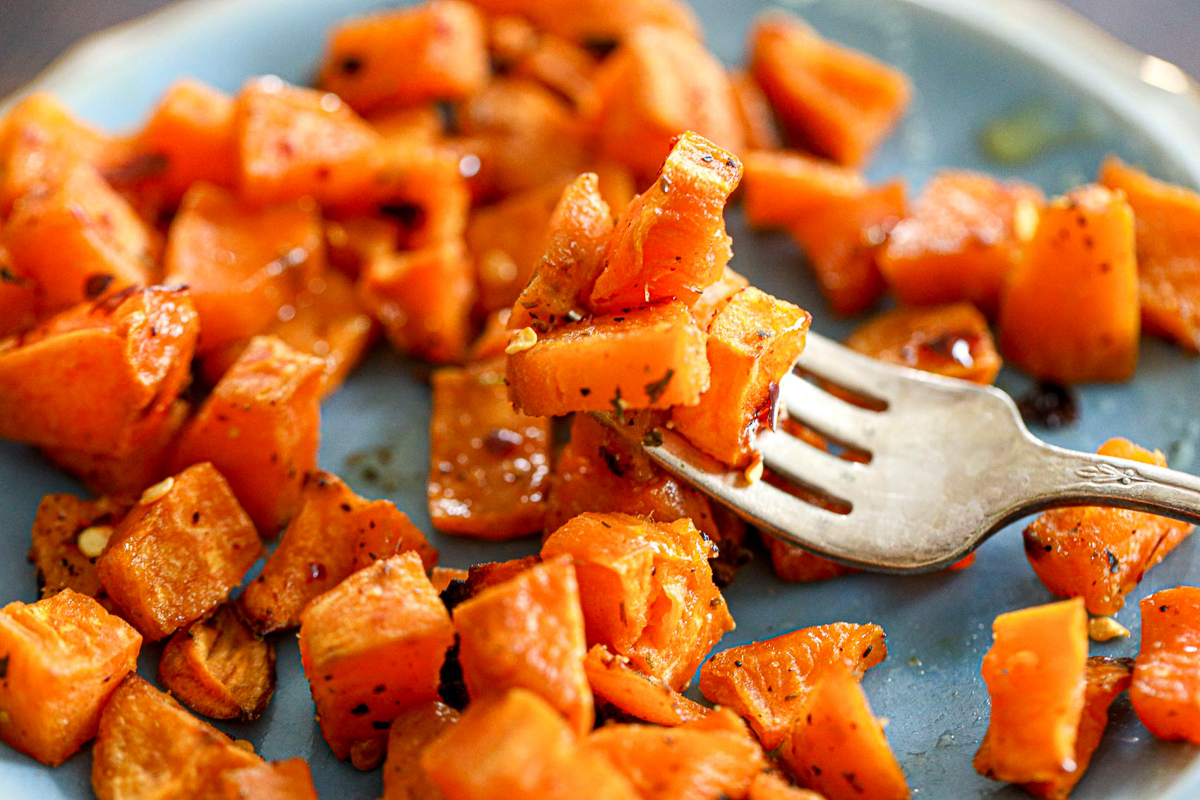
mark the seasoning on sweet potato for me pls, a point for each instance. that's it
(649, 358)
(1035, 677)
(1101, 554)
(670, 243)
(62, 657)
(149, 747)
(793, 564)
(838, 748)
(124, 358)
(333, 534)
(770, 786)
(1167, 219)
(961, 239)
(1069, 311)
(178, 553)
(1166, 677)
(371, 647)
(614, 680)
(752, 343)
(489, 466)
(770, 682)
(754, 112)
(517, 746)
(597, 20)
(406, 56)
(56, 551)
(647, 590)
(837, 102)
(783, 186)
(415, 729)
(189, 136)
(260, 428)
(951, 340)
(281, 780)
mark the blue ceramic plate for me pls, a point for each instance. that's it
(970, 62)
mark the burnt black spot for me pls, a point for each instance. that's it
(612, 461)
(97, 285)
(452, 688)
(350, 65)
(1114, 565)
(380, 725)
(360, 709)
(3, 668)
(455, 592)
(1050, 405)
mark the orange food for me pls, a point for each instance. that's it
(796, 565)
(951, 340)
(55, 552)
(839, 103)
(353, 241)
(1035, 677)
(754, 111)
(1069, 312)
(597, 20)
(20, 301)
(1101, 554)
(260, 428)
(770, 682)
(442, 577)
(178, 552)
(561, 66)
(716, 296)
(769, 786)
(371, 647)
(489, 466)
(1166, 687)
(415, 729)
(783, 186)
(614, 680)
(62, 658)
(962, 238)
(283, 780)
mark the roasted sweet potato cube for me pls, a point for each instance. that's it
(752, 343)
(951, 340)
(56, 552)
(770, 786)
(838, 748)
(615, 681)
(517, 746)
(260, 428)
(371, 647)
(783, 186)
(351, 242)
(419, 124)
(406, 56)
(1166, 678)
(334, 533)
(1069, 311)
(123, 358)
(837, 102)
(423, 299)
(282, 780)
(597, 20)
(242, 265)
(1035, 677)
(489, 466)
(754, 112)
(962, 238)
(1167, 219)
(150, 747)
(415, 729)
(670, 243)
(190, 134)
(714, 298)
(178, 552)
(770, 682)
(793, 564)
(420, 187)
(647, 590)
(563, 67)
(442, 577)
(649, 358)
(60, 659)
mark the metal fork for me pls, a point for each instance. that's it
(951, 463)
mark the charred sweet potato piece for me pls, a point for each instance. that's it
(124, 358)
(649, 358)
(282, 780)
(1101, 554)
(489, 466)
(528, 633)
(415, 729)
(372, 646)
(407, 56)
(260, 428)
(190, 135)
(752, 343)
(783, 186)
(951, 340)
(961, 239)
(769, 786)
(838, 748)
(770, 682)
(597, 20)
(1167, 219)
(1035, 677)
(1166, 680)
(422, 298)
(178, 552)
(149, 747)
(837, 102)
(334, 534)
(1069, 312)
(794, 564)
(62, 658)
(647, 590)
(56, 552)
(242, 265)
(670, 243)
(442, 577)
(754, 112)
(614, 680)
(516, 745)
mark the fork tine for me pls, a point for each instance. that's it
(801, 462)
(829, 360)
(829, 415)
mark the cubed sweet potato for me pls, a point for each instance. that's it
(418, 124)
(178, 552)
(415, 729)
(615, 681)
(770, 786)
(260, 428)
(60, 660)
(371, 647)
(56, 552)
(597, 20)
(282, 780)
(563, 67)
(951, 340)
(1069, 311)
(783, 186)
(420, 187)
(353, 241)
(793, 564)
(334, 534)
(1166, 677)
(713, 299)
(190, 134)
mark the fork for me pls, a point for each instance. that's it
(951, 463)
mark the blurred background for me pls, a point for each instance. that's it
(32, 32)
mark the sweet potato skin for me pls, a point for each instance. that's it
(1165, 692)
(951, 340)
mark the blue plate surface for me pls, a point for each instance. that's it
(970, 62)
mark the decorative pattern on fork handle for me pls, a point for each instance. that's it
(1107, 474)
